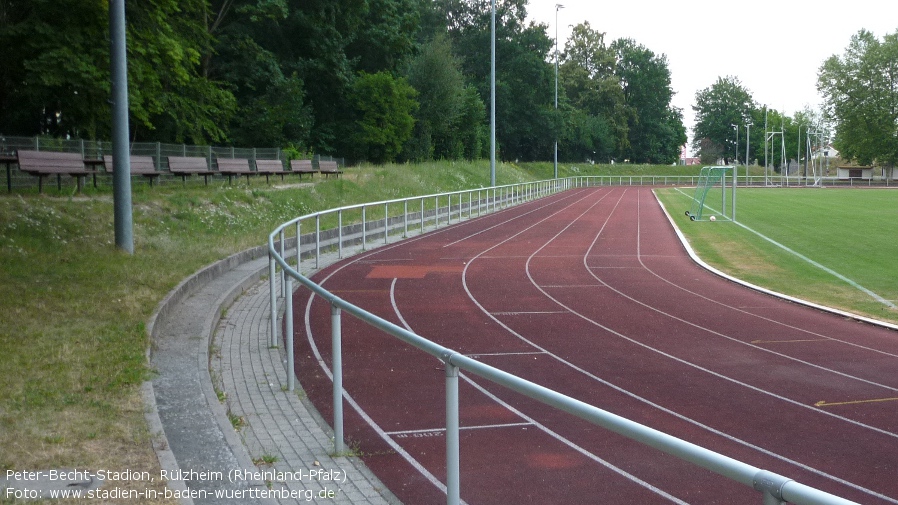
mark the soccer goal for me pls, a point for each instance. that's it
(712, 188)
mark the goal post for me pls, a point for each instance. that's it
(712, 188)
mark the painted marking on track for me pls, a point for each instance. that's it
(574, 286)
(531, 312)
(437, 432)
(790, 341)
(823, 403)
(410, 271)
(477, 355)
(335, 291)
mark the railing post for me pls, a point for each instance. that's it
(405, 219)
(317, 240)
(337, 369)
(340, 234)
(288, 315)
(283, 274)
(364, 229)
(386, 223)
(298, 249)
(453, 481)
(272, 296)
(422, 214)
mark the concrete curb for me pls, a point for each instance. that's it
(184, 289)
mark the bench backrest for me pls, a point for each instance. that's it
(329, 166)
(187, 164)
(233, 165)
(143, 165)
(302, 166)
(271, 166)
(49, 162)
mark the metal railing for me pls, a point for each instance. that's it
(774, 488)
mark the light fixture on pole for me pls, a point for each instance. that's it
(558, 7)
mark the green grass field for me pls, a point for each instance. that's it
(850, 231)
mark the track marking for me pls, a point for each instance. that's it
(326, 369)
(649, 402)
(530, 312)
(461, 428)
(478, 354)
(791, 341)
(530, 421)
(855, 402)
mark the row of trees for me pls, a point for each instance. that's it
(380, 80)
(859, 116)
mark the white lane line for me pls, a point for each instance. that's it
(660, 407)
(530, 421)
(461, 428)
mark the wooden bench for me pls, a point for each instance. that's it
(329, 168)
(44, 163)
(140, 165)
(303, 167)
(270, 167)
(234, 166)
(187, 165)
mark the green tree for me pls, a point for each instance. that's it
(271, 106)
(717, 108)
(436, 76)
(56, 71)
(384, 107)
(860, 90)
(655, 129)
(587, 75)
(524, 77)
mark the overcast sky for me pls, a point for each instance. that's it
(774, 47)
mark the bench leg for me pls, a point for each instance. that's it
(59, 182)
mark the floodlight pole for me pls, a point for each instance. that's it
(557, 8)
(121, 173)
(492, 93)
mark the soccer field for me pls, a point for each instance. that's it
(836, 247)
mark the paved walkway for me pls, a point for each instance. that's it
(219, 402)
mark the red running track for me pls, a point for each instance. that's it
(590, 293)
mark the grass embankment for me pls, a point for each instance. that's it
(850, 231)
(72, 333)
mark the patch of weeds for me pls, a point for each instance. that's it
(265, 460)
(238, 422)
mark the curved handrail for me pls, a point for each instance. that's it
(774, 488)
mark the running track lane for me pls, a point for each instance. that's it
(590, 293)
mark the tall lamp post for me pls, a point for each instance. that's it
(558, 7)
(747, 142)
(492, 93)
(736, 154)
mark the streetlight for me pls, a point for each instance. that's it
(558, 7)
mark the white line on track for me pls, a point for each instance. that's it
(462, 428)
(530, 421)
(645, 400)
(327, 371)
